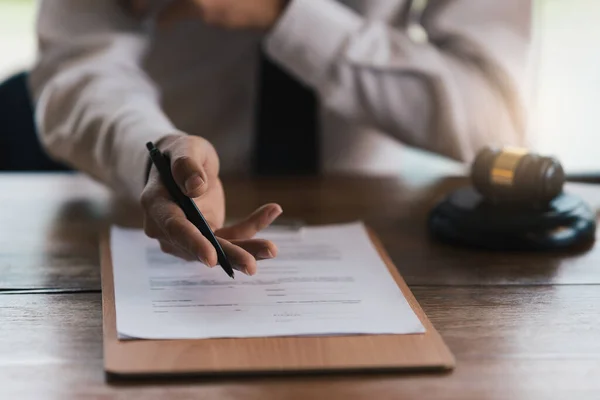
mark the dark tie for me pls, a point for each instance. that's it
(287, 124)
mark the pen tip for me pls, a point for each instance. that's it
(150, 146)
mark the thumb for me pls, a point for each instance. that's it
(187, 167)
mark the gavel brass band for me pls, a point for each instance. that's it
(505, 166)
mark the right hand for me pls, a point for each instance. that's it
(195, 167)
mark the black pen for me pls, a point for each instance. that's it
(163, 165)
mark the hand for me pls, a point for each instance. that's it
(195, 167)
(228, 14)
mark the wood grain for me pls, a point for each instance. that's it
(49, 236)
(269, 355)
(53, 243)
(510, 343)
(522, 326)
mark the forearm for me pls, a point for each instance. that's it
(100, 125)
(95, 107)
(452, 95)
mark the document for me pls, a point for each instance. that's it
(326, 280)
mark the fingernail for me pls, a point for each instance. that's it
(203, 261)
(275, 213)
(242, 269)
(193, 183)
(265, 254)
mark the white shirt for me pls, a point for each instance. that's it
(105, 84)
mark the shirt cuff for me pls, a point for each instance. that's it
(309, 36)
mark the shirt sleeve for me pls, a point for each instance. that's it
(95, 107)
(461, 88)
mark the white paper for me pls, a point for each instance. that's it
(325, 281)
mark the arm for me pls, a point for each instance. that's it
(96, 110)
(95, 106)
(453, 94)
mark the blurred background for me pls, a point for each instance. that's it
(565, 71)
(17, 39)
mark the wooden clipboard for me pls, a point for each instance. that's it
(274, 355)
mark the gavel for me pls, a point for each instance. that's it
(516, 177)
(516, 201)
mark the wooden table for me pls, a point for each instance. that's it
(522, 326)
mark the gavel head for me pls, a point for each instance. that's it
(516, 177)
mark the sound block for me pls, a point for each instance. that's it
(465, 218)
